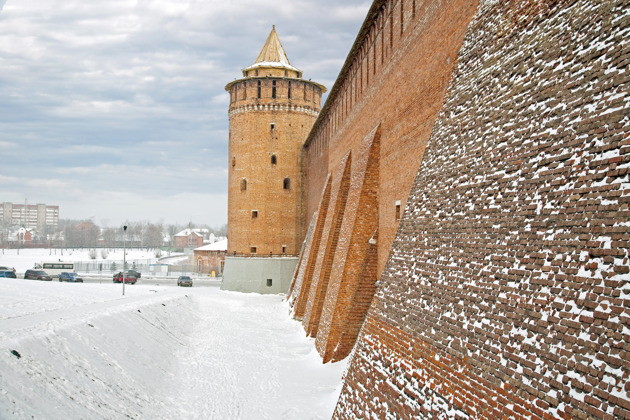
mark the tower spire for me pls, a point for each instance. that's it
(272, 55)
(272, 51)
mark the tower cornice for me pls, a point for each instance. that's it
(232, 83)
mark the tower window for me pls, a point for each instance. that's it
(284, 249)
(273, 159)
(398, 210)
(273, 126)
(269, 282)
(273, 89)
(254, 214)
(233, 161)
(252, 250)
(289, 92)
(259, 89)
(243, 184)
(287, 183)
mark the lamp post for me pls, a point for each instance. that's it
(124, 257)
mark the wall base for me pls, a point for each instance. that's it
(253, 274)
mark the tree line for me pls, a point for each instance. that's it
(87, 234)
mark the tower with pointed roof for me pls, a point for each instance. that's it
(272, 110)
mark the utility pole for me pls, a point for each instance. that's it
(124, 257)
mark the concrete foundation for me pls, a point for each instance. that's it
(269, 275)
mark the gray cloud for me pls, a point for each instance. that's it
(116, 110)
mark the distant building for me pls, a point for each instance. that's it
(211, 257)
(191, 238)
(30, 216)
(24, 236)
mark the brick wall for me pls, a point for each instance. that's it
(366, 146)
(394, 77)
(506, 294)
(267, 130)
(208, 261)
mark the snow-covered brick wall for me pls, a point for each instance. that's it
(507, 291)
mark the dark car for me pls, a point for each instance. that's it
(8, 274)
(37, 275)
(72, 277)
(5, 268)
(184, 281)
(130, 277)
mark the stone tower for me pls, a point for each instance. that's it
(272, 110)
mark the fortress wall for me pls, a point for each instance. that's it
(395, 76)
(507, 291)
(368, 143)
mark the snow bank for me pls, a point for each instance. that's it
(85, 351)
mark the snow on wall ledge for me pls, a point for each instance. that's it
(507, 291)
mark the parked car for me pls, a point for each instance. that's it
(37, 275)
(134, 273)
(72, 277)
(8, 274)
(5, 268)
(130, 277)
(184, 281)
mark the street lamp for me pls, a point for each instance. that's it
(124, 257)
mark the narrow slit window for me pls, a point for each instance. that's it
(233, 161)
(397, 210)
(273, 126)
(259, 89)
(243, 184)
(273, 159)
(284, 249)
(254, 214)
(289, 91)
(273, 89)
(286, 184)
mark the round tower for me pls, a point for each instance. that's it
(272, 110)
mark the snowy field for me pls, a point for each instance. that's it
(84, 351)
(24, 259)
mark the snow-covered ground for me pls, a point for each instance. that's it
(85, 351)
(23, 259)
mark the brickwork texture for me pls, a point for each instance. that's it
(272, 110)
(506, 293)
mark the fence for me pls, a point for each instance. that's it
(146, 267)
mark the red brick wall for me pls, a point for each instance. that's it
(328, 244)
(507, 293)
(259, 129)
(368, 143)
(208, 261)
(396, 79)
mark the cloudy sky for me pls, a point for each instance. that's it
(116, 111)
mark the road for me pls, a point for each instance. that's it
(161, 281)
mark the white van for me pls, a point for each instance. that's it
(54, 268)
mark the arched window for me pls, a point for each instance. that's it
(273, 159)
(243, 184)
(287, 183)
